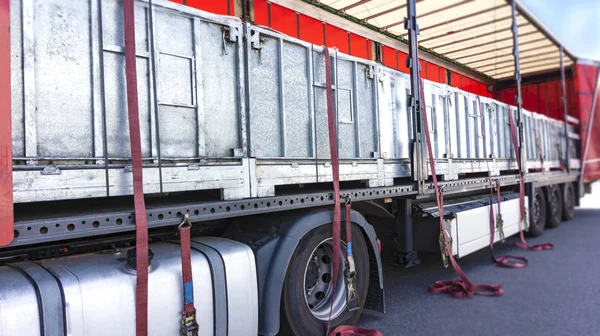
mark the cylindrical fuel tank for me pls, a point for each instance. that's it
(94, 294)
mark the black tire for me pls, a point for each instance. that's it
(569, 202)
(537, 214)
(296, 316)
(554, 206)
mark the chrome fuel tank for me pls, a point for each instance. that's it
(94, 294)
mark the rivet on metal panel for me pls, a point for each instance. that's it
(50, 170)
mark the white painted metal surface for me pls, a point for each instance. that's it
(471, 228)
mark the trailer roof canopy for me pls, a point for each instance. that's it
(474, 33)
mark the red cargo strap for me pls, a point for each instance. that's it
(462, 287)
(354, 331)
(507, 261)
(336, 178)
(523, 244)
(189, 326)
(141, 226)
(336, 231)
(6, 182)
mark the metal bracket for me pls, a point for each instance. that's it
(237, 152)
(232, 33)
(370, 72)
(256, 41)
(51, 170)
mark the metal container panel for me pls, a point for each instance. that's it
(436, 109)
(395, 120)
(99, 292)
(355, 106)
(280, 94)
(69, 97)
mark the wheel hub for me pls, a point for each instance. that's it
(318, 282)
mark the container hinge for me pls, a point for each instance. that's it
(256, 42)
(50, 170)
(232, 33)
(128, 169)
(370, 72)
(229, 34)
(381, 75)
(193, 166)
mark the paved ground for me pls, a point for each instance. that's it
(558, 294)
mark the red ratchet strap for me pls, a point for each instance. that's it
(350, 272)
(189, 326)
(523, 244)
(354, 331)
(462, 287)
(141, 225)
(335, 168)
(507, 261)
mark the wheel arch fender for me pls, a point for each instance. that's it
(274, 238)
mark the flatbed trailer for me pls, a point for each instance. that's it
(234, 136)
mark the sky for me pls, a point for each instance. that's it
(576, 23)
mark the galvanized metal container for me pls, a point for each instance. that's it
(287, 113)
(70, 127)
(94, 294)
(228, 106)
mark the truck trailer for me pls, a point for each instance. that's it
(166, 167)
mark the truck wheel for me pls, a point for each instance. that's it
(569, 202)
(537, 214)
(555, 206)
(307, 290)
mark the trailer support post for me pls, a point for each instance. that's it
(564, 102)
(405, 254)
(518, 101)
(418, 151)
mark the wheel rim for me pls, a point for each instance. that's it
(318, 284)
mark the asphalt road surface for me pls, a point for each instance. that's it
(557, 294)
